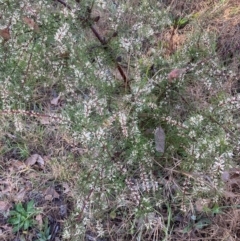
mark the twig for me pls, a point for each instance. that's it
(79, 217)
(29, 62)
(64, 4)
(106, 47)
(101, 40)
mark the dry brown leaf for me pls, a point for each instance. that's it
(159, 136)
(20, 195)
(39, 220)
(7, 229)
(234, 181)
(176, 73)
(225, 176)
(50, 194)
(31, 160)
(66, 187)
(30, 22)
(45, 120)
(6, 187)
(63, 210)
(64, 55)
(4, 206)
(35, 158)
(5, 34)
(40, 161)
(55, 101)
(33, 175)
(234, 173)
(228, 194)
(18, 165)
(48, 198)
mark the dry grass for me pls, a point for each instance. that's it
(48, 183)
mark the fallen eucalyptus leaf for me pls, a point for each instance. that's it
(176, 73)
(39, 220)
(20, 195)
(228, 194)
(225, 176)
(35, 158)
(66, 187)
(50, 194)
(18, 165)
(159, 139)
(4, 206)
(55, 101)
(45, 120)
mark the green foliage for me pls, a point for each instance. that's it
(180, 22)
(110, 118)
(197, 223)
(44, 234)
(22, 217)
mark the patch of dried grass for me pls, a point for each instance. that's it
(180, 8)
(22, 181)
(226, 24)
(228, 45)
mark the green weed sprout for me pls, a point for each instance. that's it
(22, 217)
(44, 235)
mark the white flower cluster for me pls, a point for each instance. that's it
(61, 32)
(134, 189)
(100, 229)
(94, 103)
(173, 122)
(18, 123)
(126, 43)
(220, 163)
(101, 3)
(147, 180)
(153, 221)
(231, 102)
(5, 94)
(195, 120)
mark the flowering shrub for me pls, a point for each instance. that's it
(111, 107)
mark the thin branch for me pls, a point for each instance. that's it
(126, 81)
(101, 40)
(64, 4)
(87, 200)
(104, 43)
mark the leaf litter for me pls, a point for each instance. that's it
(35, 158)
(5, 206)
(24, 181)
(159, 139)
(55, 101)
(50, 193)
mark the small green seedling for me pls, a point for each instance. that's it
(22, 217)
(179, 23)
(44, 235)
(197, 223)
